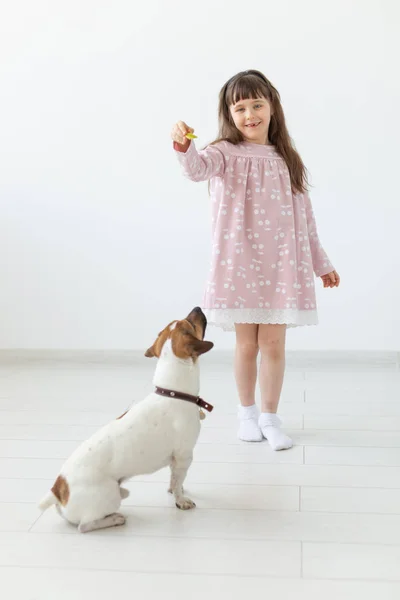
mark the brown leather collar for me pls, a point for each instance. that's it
(181, 396)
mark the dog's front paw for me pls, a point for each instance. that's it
(185, 503)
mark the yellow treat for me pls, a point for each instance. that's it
(191, 136)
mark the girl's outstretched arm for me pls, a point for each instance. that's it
(197, 165)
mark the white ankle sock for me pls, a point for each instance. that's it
(249, 430)
(270, 425)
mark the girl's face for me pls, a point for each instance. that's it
(252, 118)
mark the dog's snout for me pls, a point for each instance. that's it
(197, 312)
(197, 316)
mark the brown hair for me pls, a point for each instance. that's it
(253, 84)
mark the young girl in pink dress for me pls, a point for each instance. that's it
(265, 242)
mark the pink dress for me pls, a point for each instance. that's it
(265, 245)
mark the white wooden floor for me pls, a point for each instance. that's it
(320, 521)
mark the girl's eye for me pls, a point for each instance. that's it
(258, 105)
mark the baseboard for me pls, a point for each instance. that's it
(73, 356)
(294, 358)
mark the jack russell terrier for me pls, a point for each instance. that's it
(161, 430)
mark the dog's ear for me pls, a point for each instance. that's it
(155, 349)
(198, 347)
(150, 352)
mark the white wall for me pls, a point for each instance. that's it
(101, 239)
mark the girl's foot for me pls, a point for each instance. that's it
(270, 426)
(249, 430)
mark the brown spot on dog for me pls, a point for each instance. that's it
(186, 337)
(120, 417)
(187, 345)
(61, 490)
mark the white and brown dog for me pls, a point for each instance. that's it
(161, 430)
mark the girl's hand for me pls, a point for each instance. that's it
(179, 130)
(331, 279)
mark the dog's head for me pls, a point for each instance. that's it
(186, 337)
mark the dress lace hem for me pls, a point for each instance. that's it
(226, 318)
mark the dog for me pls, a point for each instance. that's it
(161, 430)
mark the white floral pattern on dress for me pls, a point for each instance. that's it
(266, 247)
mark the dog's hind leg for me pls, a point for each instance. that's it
(109, 521)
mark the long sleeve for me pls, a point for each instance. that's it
(321, 263)
(202, 165)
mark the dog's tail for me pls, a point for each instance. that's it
(48, 500)
(124, 493)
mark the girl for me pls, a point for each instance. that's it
(265, 242)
